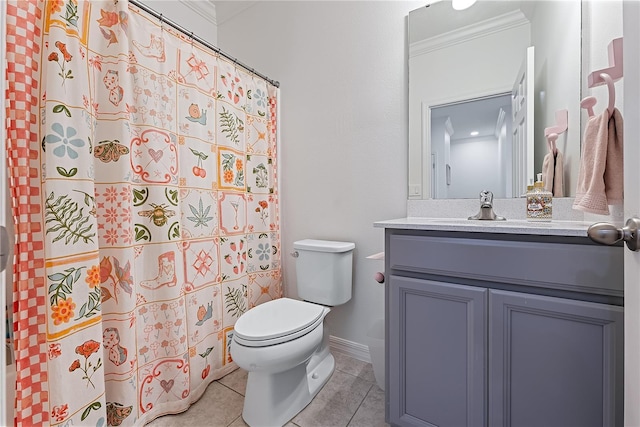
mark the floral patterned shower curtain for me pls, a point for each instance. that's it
(143, 178)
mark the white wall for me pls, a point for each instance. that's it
(198, 16)
(473, 168)
(602, 22)
(343, 73)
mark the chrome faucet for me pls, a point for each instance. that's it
(486, 208)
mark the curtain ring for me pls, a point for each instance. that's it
(161, 20)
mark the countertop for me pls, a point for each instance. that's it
(553, 228)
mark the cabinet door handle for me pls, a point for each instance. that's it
(609, 234)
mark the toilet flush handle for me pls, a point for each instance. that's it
(295, 254)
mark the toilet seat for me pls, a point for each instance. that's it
(277, 321)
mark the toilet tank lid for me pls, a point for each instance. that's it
(323, 245)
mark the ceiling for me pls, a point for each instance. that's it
(479, 115)
(438, 17)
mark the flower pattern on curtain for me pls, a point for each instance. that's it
(143, 178)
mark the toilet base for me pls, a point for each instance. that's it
(271, 400)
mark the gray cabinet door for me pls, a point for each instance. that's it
(554, 362)
(437, 353)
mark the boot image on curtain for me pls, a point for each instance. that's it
(166, 272)
(154, 50)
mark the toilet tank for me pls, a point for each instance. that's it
(324, 271)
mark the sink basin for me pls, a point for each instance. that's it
(460, 221)
(511, 226)
(449, 220)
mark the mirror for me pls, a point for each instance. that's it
(456, 57)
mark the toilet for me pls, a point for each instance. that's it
(283, 344)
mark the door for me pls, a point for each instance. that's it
(438, 354)
(522, 97)
(554, 362)
(631, 31)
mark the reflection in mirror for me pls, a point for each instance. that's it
(471, 148)
(479, 52)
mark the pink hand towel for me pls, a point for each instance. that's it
(600, 181)
(553, 173)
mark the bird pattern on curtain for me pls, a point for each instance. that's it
(143, 178)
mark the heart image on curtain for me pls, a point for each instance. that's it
(143, 177)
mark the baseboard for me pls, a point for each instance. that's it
(350, 348)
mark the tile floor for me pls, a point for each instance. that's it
(351, 398)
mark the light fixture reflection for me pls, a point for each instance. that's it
(474, 133)
(462, 4)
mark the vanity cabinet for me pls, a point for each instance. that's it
(503, 330)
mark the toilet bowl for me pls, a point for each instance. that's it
(283, 343)
(286, 369)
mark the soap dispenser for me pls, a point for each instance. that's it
(539, 202)
(529, 188)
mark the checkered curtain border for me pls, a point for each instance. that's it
(24, 23)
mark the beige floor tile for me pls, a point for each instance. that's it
(371, 412)
(353, 366)
(218, 407)
(336, 403)
(238, 422)
(236, 380)
(350, 397)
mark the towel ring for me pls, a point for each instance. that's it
(551, 142)
(612, 92)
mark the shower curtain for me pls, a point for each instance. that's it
(143, 180)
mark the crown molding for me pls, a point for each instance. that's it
(470, 32)
(204, 8)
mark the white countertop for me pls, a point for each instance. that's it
(553, 228)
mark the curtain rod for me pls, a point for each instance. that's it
(200, 40)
